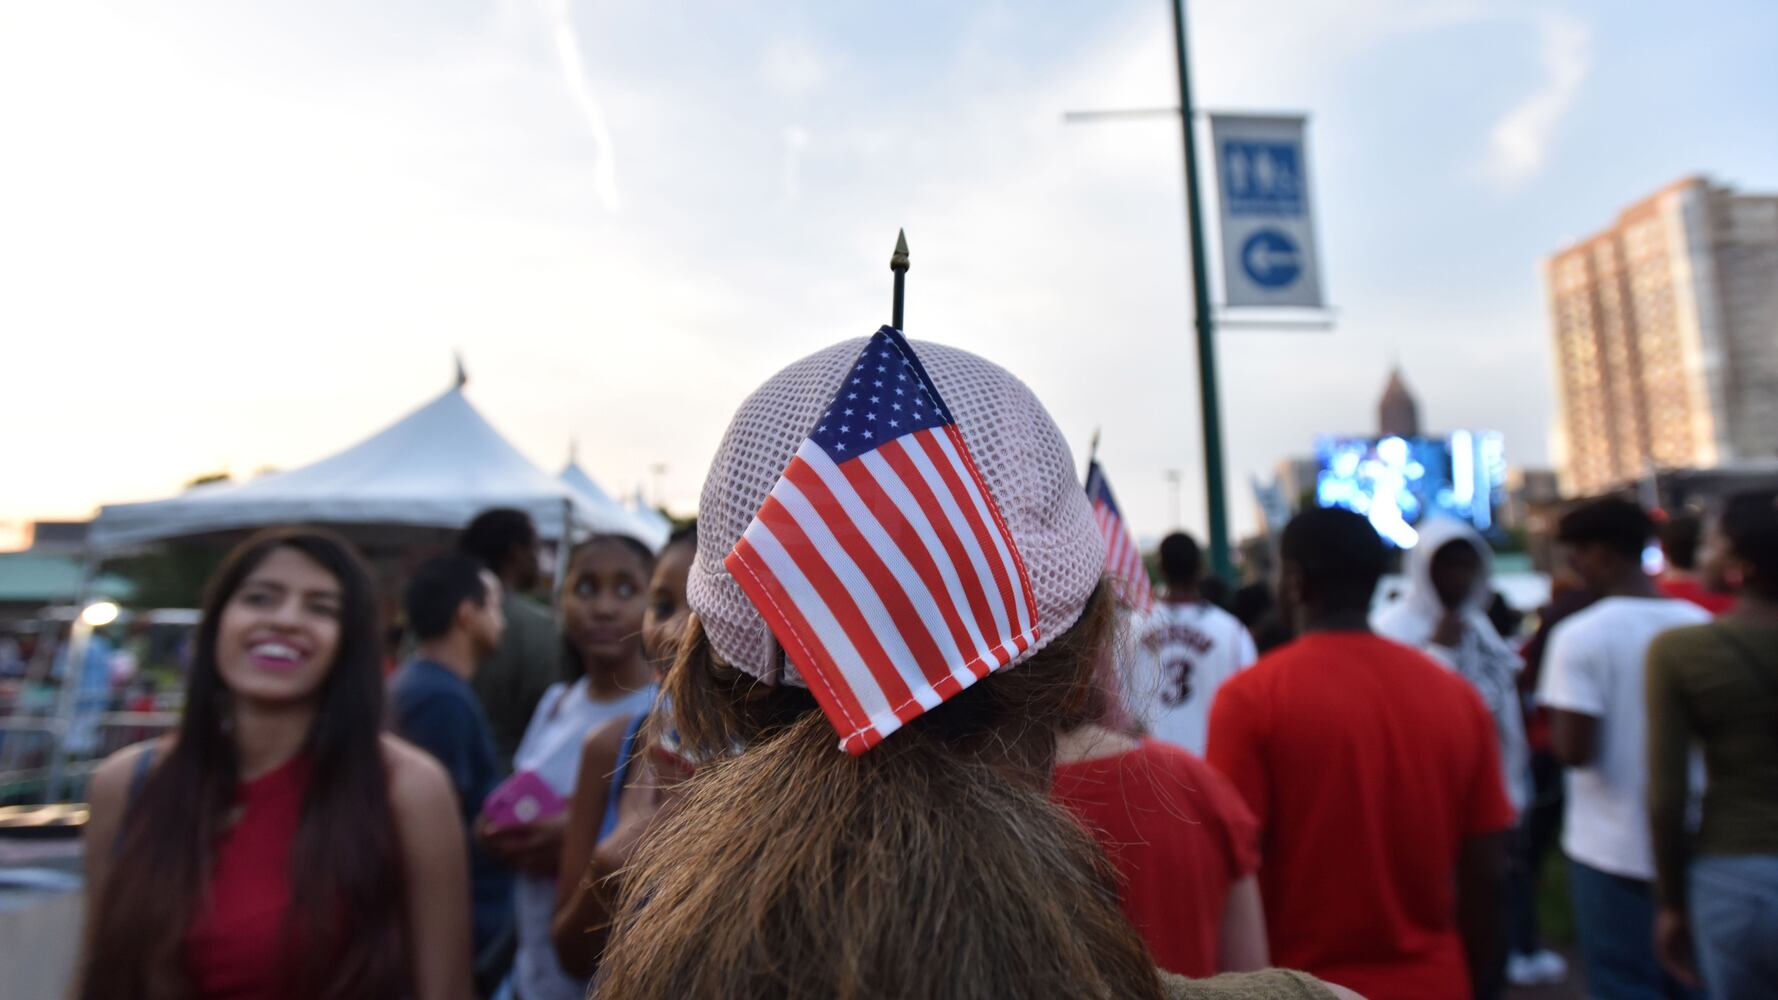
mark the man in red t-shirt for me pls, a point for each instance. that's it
(1375, 778)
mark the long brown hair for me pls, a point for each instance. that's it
(931, 866)
(345, 864)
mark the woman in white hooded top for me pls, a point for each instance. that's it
(1444, 613)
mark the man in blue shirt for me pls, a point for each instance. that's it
(453, 608)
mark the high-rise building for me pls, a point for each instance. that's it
(1398, 415)
(1666, 336)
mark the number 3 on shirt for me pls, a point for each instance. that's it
(1176, 682)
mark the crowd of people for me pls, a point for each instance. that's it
(829, 745)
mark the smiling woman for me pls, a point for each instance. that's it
(279, 766)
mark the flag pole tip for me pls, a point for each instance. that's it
(899, 260)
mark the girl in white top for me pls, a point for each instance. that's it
(602, 611)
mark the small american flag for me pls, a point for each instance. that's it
(1123, 561)
(880, 559)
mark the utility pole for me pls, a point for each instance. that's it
(1208, 403)
(1203, 322)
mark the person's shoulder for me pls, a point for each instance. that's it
(418, 784)
(1582, 628)
(526, 612)
(1684, 643)
(111, 780)
(1270, 984)
(1684, 612)
(605, 740)
(1192, 771)
(430, 692)
(1159, 756)
(1222, 619)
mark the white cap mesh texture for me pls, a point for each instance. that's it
(1020, 453)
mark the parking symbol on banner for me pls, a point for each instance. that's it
(1270, 257)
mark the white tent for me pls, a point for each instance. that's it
(649, 531)
(435, 468)
(641, 511)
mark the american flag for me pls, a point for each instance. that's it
(880, 559)
(1123, 561)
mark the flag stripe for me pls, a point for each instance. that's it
(770, 594)
(817, 558)
(968, 533)
(1026, 601)
(1123, 560)
(975, 515)
(873, 477)
(971, 584)
(888, 578)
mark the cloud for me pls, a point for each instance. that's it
(568, 57)
(796, 140)
(792, 68)
(1519, 142)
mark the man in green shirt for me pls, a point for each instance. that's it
(529, 657)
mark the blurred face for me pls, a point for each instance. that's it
(485, 623)
(1456, 568)
(280, 631)
(1717, 563)
(664, 621)
(1291, 603)
(523, 567)
(1596, 564)
(606, 597)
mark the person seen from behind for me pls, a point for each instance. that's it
(1186, 647)
(278, 845)
(1681, 535)
(453, 611)
(1715, 687)
(912, 850)
(1448, 612)
(1375, 776)
(1592, 689)
(1184, 844)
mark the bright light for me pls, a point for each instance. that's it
(99, 614)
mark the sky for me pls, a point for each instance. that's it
(243, 235)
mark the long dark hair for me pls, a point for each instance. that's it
(345, 866)
(932, 866)
(1750, 521)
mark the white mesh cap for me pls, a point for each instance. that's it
(1023, 459)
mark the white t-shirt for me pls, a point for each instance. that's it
(1593, 666)
(551, 750)
(1181, 654)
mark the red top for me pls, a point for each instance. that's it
(238, 947)
(1367, 764)
(1688, 589)
(1179, 836)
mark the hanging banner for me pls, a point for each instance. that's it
(1268, 230)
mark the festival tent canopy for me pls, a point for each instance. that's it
(650, 531)
(435, 468)
(639, 509)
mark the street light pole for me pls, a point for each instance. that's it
(1220, 563)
